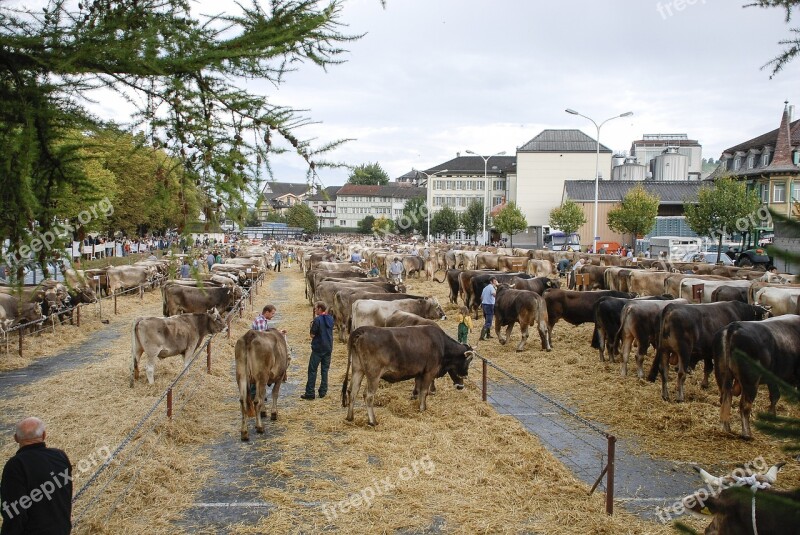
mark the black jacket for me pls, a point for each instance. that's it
(36, 492)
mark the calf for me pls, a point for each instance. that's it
(607, 323)
(574, 307)
(262, 358)
(395, 354)
(640, 322)
(774, 344)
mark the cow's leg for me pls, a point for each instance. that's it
(600, 335)
(261, 392)
(276, 388)
(243, 395)
(708, 367)
(150, 368)
(372, 387)
(524, 331)
(725, 398)
(417, 387)
(544, 335)
(774, 396)
(745, 407)
(497, 327)
(627, 343)
(662, 361)
(681, 375)
(135, 364)
(355, 384)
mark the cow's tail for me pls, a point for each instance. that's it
(443, 278)
(663, 332)
(724, 371)
(618, 336)
(134, 344)
(350, 345)
(164, 301)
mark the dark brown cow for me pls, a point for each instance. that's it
(453, 281)
(774, 344)
(401, 318)
(315, 277)
(395, 354)
(538, 285)
(159, 338)
(574, 307)
(262, 358)
(687, 335)
(729, 293)
(524, 307)
(640, 323)
(479, 281)
(180, 299)
(607, 322)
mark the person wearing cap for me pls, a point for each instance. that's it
(396, 269)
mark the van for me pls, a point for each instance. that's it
(674, 248)
(559, 241)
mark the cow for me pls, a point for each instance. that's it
(524, 307)
(14, 311)
(512, 263)
(166, 337)
(492, 261)
(780, 300)
(401, 318)
(538, 285)
(122, 277)
(180, 299)
(774, 344)
(640, 322)
(708, 288)
(366, 312)
(262, 358)
(607, 322)
(395, 354)
(644, 282)
(342, 307)
(728, 293)
(315, 277)
(452, 278)
(413, 264)
(742, 503)
(574, 307)
(477, 281)
(326, 290)
(540, 268)
(687, 334)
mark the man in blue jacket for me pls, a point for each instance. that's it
(321, 349)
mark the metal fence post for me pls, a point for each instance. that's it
(612, 441)
(485, 380)
(169, 403)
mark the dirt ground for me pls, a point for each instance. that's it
(457, 468)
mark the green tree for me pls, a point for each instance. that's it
(636, 215)
(369, 174)
(792, 45)
(472, 218)
(183, 73)
(723, 209)
(568, 217)
(365, 225)
(382, 226)
(510, 220)
(276, 217)
(445, 221)
(414, 217)
(301, 215)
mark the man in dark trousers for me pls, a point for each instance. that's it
(321, 349)
(36, 488)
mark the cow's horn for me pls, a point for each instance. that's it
(708, 478)
(772, 474)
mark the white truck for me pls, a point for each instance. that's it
(674, 248)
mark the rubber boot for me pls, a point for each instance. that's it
(489, 332)
(484, 332)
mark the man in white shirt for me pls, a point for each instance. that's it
(487, 304)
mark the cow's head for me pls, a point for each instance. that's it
(460, 368)
(762, 312)
(216, 323)
(552, 282)
(439, 311)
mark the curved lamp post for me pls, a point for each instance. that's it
(486, 184)
(597, 166)
(429, 195)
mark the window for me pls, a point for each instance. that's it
(499, 185)
(765, 193)
(765, 159)
(737, 164)
(796, 192)
(451, 184)
(779, 192)
(342, 223)
(751, 161)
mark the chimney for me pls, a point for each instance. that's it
(458, 155)
(791, 113)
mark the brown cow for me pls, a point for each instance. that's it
(180, 299)
(524, 307)
(166, 337)
(262, 358)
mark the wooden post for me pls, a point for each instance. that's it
(485, 380)
(20, 340)
(78, 311)
(612, 441)
(208, 357)
(229, 327)
(115, 303)
(141, 292)
(169, 404)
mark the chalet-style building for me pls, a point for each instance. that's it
(280, 196)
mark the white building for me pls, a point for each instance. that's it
(323, 204)
(355, 202)
(648, 150)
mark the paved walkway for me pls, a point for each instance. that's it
(641, 483)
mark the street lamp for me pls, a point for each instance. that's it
(597, 166)
(486, 194)
(428, 195)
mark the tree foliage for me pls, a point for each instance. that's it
(365, 225)
(368, 174)
(568, 217)
(301, 215)
(636, 214)
(178, 71)
(723, 209)
(415, 217)
(445, 221)
(382, 226)
(472, 218)
(510, 220)
(792, 44)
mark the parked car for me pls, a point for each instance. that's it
(708, 258)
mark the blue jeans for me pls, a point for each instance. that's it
(488, 316)
(314, 362)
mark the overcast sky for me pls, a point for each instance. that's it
(435, 77)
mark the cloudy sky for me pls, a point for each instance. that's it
(435, 77)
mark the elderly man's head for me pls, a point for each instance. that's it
(29, 431)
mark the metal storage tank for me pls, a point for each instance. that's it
(671, 165)
(629, 170)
